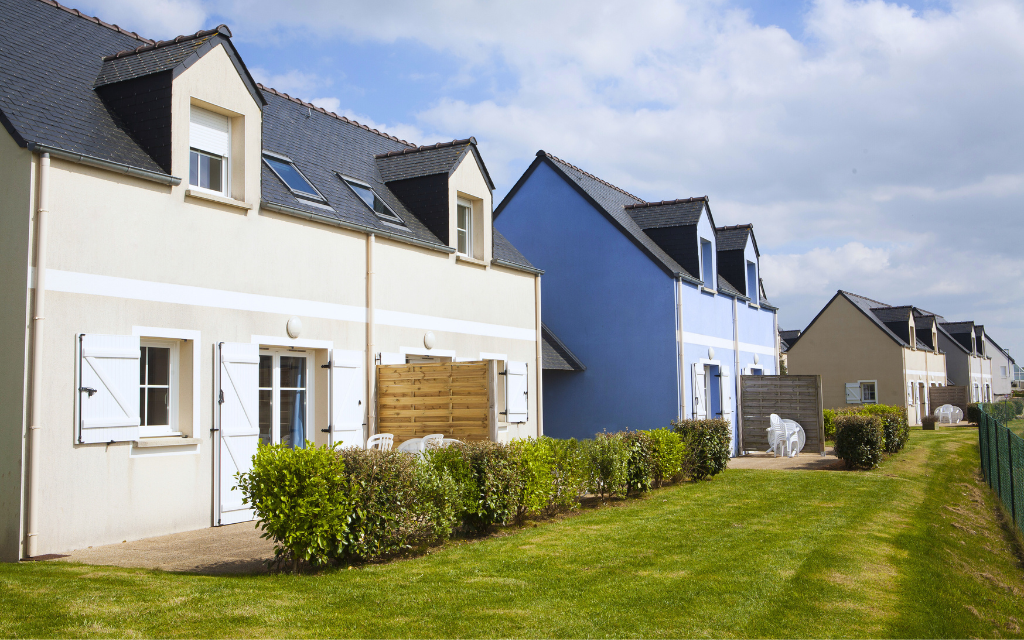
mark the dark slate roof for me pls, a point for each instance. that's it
(671, 213)
(50, 58)
(556, 356)
(788, 338)
(728, 289)
(323, 146)
(732, 238)
(502, 249)
(958, 327)
(867, 307)
(441, 158)
(150, 59)
(892, 314)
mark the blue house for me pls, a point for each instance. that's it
(650, 311)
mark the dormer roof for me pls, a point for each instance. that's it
(882, 315)
(441, 158)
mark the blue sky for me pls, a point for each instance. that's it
(874, 145)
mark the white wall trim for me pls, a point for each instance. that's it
(422, 351)
(493, 356)
(303, 343)
(726, 343)
(110, 286)
(179, 334)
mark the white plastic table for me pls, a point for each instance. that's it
(801, 436)
(412, 445)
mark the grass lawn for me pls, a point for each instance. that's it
(912, 549)
(1017, 426)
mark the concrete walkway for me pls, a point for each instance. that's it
(803, 461)
(235, 548)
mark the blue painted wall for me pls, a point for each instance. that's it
(610, 304)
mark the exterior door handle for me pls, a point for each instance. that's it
(88, 390)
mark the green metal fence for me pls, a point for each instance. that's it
(1002, 462)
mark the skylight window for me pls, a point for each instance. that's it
(372, 200)
(292, 177)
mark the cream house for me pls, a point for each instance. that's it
(871, 352)
(196, 263)
(969, 364)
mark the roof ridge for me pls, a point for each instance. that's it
(221, 29)
(112, 27)
(428, 147)
(310, 105)
(590, 175)
(667, 202)
(735, 227)
(857, 295)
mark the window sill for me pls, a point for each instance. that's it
(707, 290)
(753, 305)
(461, 258)
(213, 197)
(165, 441)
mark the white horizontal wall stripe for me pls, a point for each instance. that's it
(97, 285)
(725, 343)
(934, 374)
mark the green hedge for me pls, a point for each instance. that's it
(1004, 411)
(321, 505)
(860, 440)
(894, 423)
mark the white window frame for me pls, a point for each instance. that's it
(710, 263)
(310, 355)
(174, 382)
(390, 218)
(315, 196)
(462, 202)
(225, 178)
(874, 386)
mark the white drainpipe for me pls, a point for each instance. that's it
(540, 360)
(36, 410)
(370, 349)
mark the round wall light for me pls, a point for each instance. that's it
(711, 353)
(294, 327)
(756, 359)
(429, 340)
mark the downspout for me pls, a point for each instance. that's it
(540, 360)
(680, 358)
(36, 411)
(736, 358)
(371, 404)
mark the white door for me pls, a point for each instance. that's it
(238, 424)
(347, 408)
(700, 396)
(108, 388)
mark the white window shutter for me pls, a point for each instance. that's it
(208, 131)
(392, 358)
(725, 389)
(700, 411)
(239, 423)
(108, 388)
(516, 392)
(910, 393)
(852, 392)
(347, 408)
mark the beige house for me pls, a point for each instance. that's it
(195, 263)
(869, 352)
(969, 364)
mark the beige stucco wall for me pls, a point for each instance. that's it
(923, 367)
(842, 346)
(17, 175)
(115, 241)
(468, 182)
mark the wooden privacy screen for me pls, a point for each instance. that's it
(956, 396)
(415, 400)
(792, 398)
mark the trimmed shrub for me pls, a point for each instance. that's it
(572, 472)
(454, 462)
(302, 501)
(973, 413)
(928, 423)
(894, 423)
(707, 447)
(1002, 411)
(639, 461)
(860, 440)
(667, 450)
(384, 490)
(537, 460)
(608, 464)
(829, 416)
(500, 482)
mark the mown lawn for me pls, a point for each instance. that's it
(912, 549)
(1017, 426)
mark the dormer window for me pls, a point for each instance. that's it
(372, 200)
(752, 282)
(210, 143)
(291, 176)
(707, 263)
(464, 227)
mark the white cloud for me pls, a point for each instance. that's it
(157, 19)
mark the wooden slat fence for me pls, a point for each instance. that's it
(956, 396)
(791, 397)
(416, 400)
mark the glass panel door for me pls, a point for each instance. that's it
(284, 395)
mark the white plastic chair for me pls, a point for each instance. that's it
(382, 441)
(956, 415)
(447, 442)
(786, 437)
(433, 440)
(949, 414)
(801, 437)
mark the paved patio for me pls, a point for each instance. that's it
(235, 548)
(803, 461)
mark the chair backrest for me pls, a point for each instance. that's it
(433, 440)
(382, 441)
(775, 420)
